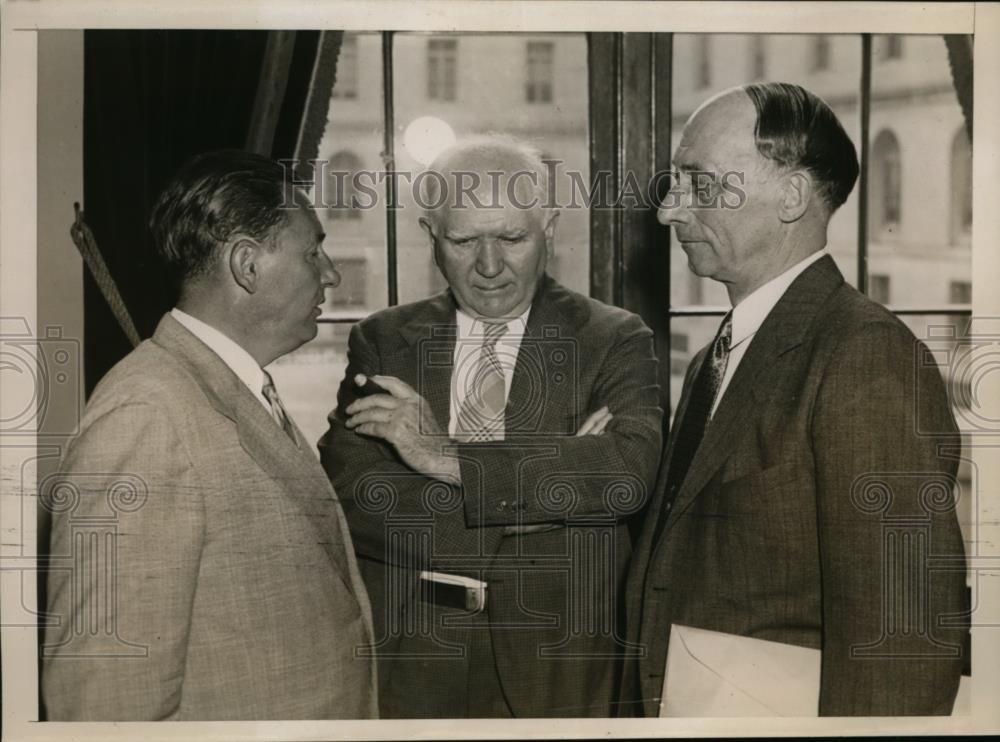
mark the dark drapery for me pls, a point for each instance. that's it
(153, 98)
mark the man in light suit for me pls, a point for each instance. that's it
(229, 589)
(812, 441)
(518, 428)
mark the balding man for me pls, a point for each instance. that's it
(809, 473)
(486, 487)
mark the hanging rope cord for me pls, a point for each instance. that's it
(84, 240)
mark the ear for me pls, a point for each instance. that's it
(796, 194)
(550, 233)
(428, 227)
(243, 264)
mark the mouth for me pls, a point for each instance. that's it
(493, 289)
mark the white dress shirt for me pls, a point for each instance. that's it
(468, 347)
(750, 314)
(239, 361)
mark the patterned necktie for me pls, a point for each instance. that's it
(481, 417)
(278, 409)
(699, 409)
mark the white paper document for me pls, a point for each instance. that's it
(711, 674)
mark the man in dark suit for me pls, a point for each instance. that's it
(812, 446)
(486, 487)
(213, 575)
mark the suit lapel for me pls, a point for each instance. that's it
(783, 329)
(541, 391)
(296, 469)
(430, 337)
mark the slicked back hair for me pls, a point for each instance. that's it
(211, 198)
(797, 129)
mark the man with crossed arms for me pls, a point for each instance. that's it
(520, 424)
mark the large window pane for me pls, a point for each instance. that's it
(920, 213)
(828, 65)
(351, 147)
(530, 86)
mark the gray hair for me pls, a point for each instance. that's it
(498, 156)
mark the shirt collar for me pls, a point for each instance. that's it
(231, 353)
(750, 313)
(469, 327)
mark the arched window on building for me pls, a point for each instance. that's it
(820, 53)
(340, 190)
(884, 183)
(346, 85)
(703, 63)
(961, 188)
(886, 47)
(758, 59)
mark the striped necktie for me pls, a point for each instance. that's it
(481, 417)
(278, 409)
(691, 429)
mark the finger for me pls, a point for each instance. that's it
(375, 415)
(602, 424)
(383, 401)
(396, 387)
(372, 430)
(592, 420)
(598, 426)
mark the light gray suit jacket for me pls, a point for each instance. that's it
(207, 569)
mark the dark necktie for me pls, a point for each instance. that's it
(481, 416)
(696, 416)
(278, 409)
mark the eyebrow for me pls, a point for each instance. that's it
(690, 166)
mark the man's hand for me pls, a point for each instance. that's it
(403, 418)
(596, 422)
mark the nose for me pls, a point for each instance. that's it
(328, 274)
(672, 209)
(489, 259)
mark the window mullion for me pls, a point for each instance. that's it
(865, 123)
(389, 161)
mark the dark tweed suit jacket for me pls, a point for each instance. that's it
(826, 473)
(552, 605)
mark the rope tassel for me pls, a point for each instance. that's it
(84, 240)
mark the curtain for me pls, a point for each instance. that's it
(153, 98)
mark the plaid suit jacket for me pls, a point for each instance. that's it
(555, 630)
(231, 590)
(818, 511)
